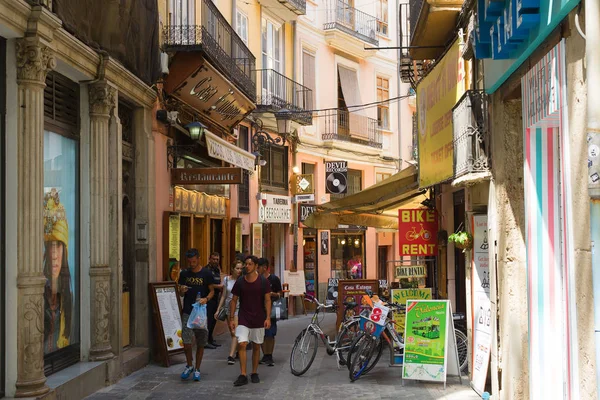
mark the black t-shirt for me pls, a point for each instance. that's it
(198, 283)
(252, 301)
(275, 283)
(216, 274)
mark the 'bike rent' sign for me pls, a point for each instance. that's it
(417, 229)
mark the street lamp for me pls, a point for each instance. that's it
(284, 121)
(196, 130)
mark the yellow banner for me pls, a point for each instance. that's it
(437, 93)
(399, 296)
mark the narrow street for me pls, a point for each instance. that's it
(322, 381)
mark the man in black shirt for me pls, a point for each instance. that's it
(195, 285)
(211, 307)
(276, 294)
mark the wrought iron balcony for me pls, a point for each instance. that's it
(277, 92)
(351, 127)
(219, 43)
(471, 139)
(340, 15)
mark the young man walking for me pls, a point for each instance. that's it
(213, 304)
(196, 285)
(276, 293)
(254, 294)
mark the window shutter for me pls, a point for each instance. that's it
(61, 101)
(308, 76)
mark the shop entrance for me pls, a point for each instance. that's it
(274, 236)
(382, 259)
(459, 256)
(309, 246)
(347, 254)
(216, 237)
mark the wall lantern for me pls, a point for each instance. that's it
(284, 121)
(196, 130)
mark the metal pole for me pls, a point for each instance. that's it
(294, 143)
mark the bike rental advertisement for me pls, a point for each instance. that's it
(417, 230)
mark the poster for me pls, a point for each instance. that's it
(324, 243)
(257, 240)
(174, 236)
(170, 316)
(482, 310)
(296, 282)
(400, 296)
(332, 291)
(354, 290)
(426, 340)
(61, 242)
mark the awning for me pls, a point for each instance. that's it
(376, 206)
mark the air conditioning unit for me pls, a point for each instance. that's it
(164, 63)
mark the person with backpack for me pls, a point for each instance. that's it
(254, 294)
(228, 282)
(276, 294)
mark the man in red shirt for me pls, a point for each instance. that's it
(254, 293)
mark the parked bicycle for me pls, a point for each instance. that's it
(307, 341)
(462, 345)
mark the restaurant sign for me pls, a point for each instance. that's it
(275, 209)
(203, 176)
(223, 150)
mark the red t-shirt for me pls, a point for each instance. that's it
(251, 296)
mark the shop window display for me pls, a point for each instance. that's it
(347, 256)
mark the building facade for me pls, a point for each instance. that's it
(76, 126)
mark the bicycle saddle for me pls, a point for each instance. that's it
(349, 305)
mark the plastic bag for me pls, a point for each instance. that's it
(198, 319)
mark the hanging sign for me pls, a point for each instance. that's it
(417, 230)
(299, 198)
(304, 210)
(200, 176)
(336, 178)
(223, 150)
(275, 209)
(410, 271)
(303, 184)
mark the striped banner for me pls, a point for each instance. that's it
(546, 231)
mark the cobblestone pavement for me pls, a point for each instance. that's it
(323, 381)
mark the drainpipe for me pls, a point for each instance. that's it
(399, 84)
(592, 27)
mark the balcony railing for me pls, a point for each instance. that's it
(351, 127)
(277, 92)
(299, 5)
(415, 10)
(471, 141)
(340, 15)
(220, 44)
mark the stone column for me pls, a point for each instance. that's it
(102, 101)
(34, 61)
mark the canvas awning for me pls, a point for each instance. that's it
(376, 206)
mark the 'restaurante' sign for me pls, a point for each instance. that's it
(275, 209)
(206, 176)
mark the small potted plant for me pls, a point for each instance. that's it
(462, 240)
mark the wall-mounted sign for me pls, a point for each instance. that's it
(299, 198)
(199, 203)
(303, 184)
(410, 271)
(174, 238)
(324, 243)
(257, 240)
(336, 176)
(304, 210)
(199, 84)
(275, 209)
(417, 229)
(508, 32)
(199, 176)
(437, 93)
(223, 150)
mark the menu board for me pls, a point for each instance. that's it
(354, 290)
(167, 318)
(296, 282)
(174, 239)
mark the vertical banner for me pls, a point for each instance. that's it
(417, 232)
(257, 240)
(482, 308)
(324, 243)
(336, 177)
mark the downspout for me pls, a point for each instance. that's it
(592, 42)
(399, 84)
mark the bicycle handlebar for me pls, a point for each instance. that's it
(313, 299)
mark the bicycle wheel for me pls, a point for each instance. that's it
(462, 348)
(302, 354)
(362, 354)
(345, 339)
(373, 361)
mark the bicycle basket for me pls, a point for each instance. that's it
(370, 327)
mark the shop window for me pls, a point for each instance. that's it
(244, 188)
(275, 173)
(61, 223)
(347, 255)
(354, 184)
(381, 176)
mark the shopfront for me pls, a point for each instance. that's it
(310, 246)
(275, 215)
(348, 253)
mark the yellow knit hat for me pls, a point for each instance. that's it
(56, 227)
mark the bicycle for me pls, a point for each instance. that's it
(414, 235)
(462, 343)
(369, 344)
(303, 353)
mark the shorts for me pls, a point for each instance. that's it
(245, 334)
(272, 331)
(188, 334)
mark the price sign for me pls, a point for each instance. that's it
(379, 314)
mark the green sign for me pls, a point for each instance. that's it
(426, 340)
(400, 296)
